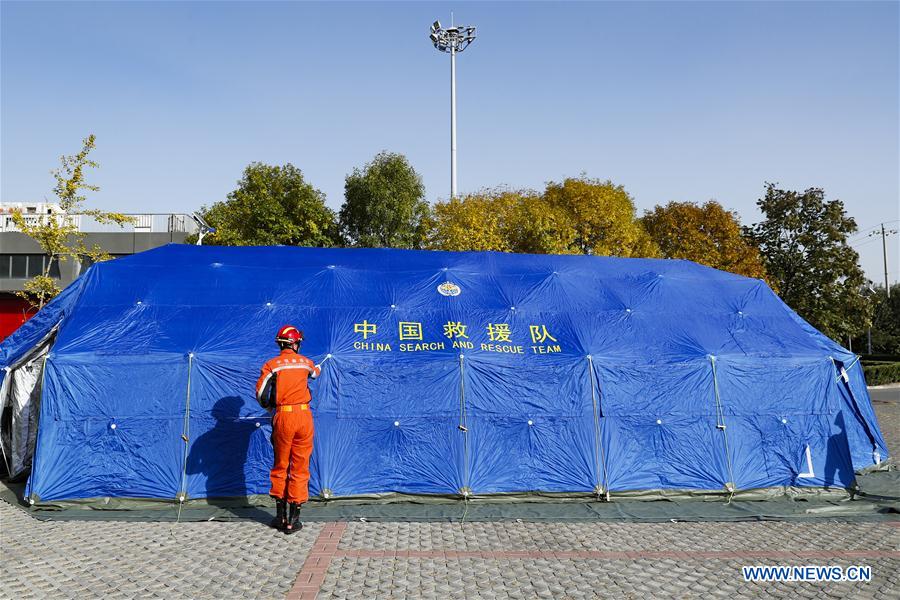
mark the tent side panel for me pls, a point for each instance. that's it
(775, 411)
(530, 425)
(660, 427)
(110, 427)
(394, 431)
(857, 403)
(374, 455)
(552, 454)
(230, 452)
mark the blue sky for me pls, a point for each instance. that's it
(675, 100)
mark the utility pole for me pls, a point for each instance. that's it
(452, 40)
(887, 285)
(884, 235)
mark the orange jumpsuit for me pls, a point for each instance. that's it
(292, 425)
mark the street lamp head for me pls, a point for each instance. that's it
(454, 39)
(203, 228)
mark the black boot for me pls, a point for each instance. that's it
(280, 520)
(293, 522)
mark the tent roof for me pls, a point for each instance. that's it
(181, 298)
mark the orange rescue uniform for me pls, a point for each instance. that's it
(292, 425)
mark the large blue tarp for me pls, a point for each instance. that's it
(451, 373)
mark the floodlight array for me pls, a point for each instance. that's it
(455, 38)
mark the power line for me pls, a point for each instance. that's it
(865, 231)
(862, 243)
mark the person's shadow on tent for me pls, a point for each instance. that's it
(221, 455)
(838, 464)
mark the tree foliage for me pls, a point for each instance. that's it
(803, 242)
(384, 204)
(272, 205)
(602, 215)
(500, 220)
(577, 216)
(58, 234)
(707, 234)
(479, 222)
(885, 323)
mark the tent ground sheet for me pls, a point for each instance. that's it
(878, 499)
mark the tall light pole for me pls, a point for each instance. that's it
(452, 40)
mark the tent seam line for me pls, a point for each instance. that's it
(185, 431)
(720, 422)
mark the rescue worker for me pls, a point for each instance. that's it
(283, 388)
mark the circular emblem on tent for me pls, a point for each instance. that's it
(448, 288)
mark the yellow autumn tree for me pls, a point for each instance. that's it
(502, 220)
(577, 216)
(707, 234)
(542, 229)
(59, 235)
(478, 221)
(602, 215)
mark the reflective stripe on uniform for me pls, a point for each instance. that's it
(282, 368)
(312, 370)
(262, 385)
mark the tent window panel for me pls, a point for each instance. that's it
(19, 266)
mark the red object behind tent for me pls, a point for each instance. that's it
(13, 312)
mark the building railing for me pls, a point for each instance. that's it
(141, 223)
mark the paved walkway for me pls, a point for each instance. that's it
(89, 559)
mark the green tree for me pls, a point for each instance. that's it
(885, 322)
(886, 325)
(603, 217)
(707, 234)
(803, 242)
(58, 234)
(272, 205)
(384, 204)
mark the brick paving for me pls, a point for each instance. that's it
(90, 559)
(110, 559)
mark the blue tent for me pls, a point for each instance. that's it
(451, 373)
